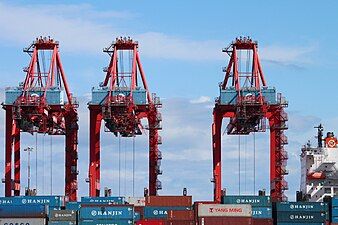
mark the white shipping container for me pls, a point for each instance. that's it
(22, 221)
(137, 201)
(226, 210)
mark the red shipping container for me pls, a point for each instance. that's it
(196, 207)
(150, 222)
(185, 201)
(225, 221)
(262, 221)
(180, 215)
(140, 210)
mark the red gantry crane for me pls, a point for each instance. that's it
(121, 101)
(37, 106)
(248, 102)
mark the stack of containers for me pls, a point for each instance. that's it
(63, 217)
(300, 213)
(21, 214)
(261, 207)
(139, 203)
(334, 211)
(106, 214)
(158, 208)
(224, 214)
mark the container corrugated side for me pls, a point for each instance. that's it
(259, 221)
(160, 212)
(180, 215)
(229, 210)
(169, 201)
(107, 212)
(304, 223)
(151, 222)
(54, 201)
(19, 211)
(73, 205)
(262, 212)
(102, 200)
(301, 217)
(25, 221)
(63, 215)
(106, 222)
(301, 206)
(61, 222)
(247, 199)
(225, 221)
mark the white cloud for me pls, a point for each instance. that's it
(202, 99)
(83, 29)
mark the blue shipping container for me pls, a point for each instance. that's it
(262, 212)
(301, 206)
(334, 201)
(73, 205)
(251, 200)
(20, 211)
(54, 201)
(137, 216)
(153, 212)
(106, 222)
(301, 217)
(103, 200)
(107, 212)
(300, 223)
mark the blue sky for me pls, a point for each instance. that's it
(180, 48)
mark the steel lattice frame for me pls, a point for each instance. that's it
(31, 113)
(248, 115)
(122, 116)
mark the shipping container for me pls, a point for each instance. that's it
(262, 212)
(24, 221)
(151, 222)
(63, 215)
(225, 221)
(334, 201)
(53, 201)
(140, 210)
(258, 221)
(230, 210)
(180, 222)
(304, 223)
(73, 205)
(185, 201)
(298, 217)
(160, 212)
(137, 216)
(62, 223)
(106, 222)
(107, 212)
(136, 201)
(22, 211)
(181, 215)
(102, 200)
(300, 206)
(258, 201)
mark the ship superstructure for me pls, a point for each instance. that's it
(319, 175)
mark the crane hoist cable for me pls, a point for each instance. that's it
(125, 166)
(119, 164)
(51, 165)
(36, 161)
(254, 162)
(43, 163)
(245, 161)
(133, 166)
(239, 164)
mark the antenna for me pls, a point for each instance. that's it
(319, 136)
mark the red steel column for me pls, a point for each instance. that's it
(216, 147)
(71, 186)
(8, 156)
(94, 151)
(153, 153)
(16, 136)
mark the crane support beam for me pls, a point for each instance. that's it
(248, 105)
